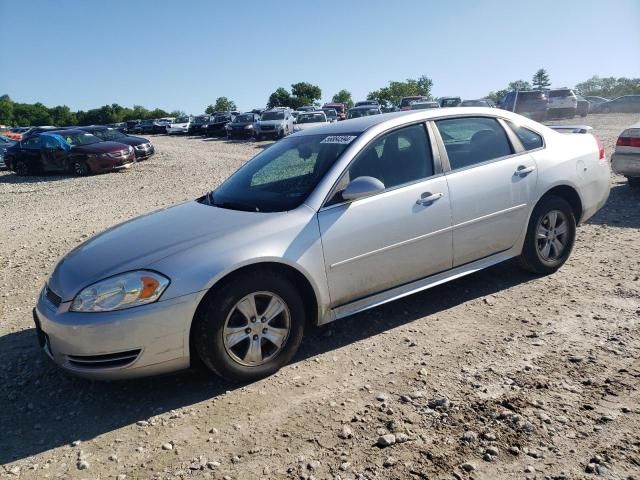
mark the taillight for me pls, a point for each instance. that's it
(628, 142)
(600, 148)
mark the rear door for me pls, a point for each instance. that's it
(491, 184)
(30, 153)
(397, 236)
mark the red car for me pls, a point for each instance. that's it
(340, 108)
(67, 151)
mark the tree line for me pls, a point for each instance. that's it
(300, 94)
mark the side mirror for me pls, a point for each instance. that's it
(362, 187)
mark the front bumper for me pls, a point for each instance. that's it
(176, 130)
(135, 342)
(627, 164)
(241, 133)
(269, 133)
(143, 153)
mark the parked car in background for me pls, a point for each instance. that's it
(144, 127)
(179, 125)
(311, 119)
(31, 131)
(405, 102)
(275, 123)
(367, 103)
(583, 106)
(562, 103)
(14, 133)
(340, 108)
(5, 142)
(423, 105)
(215, 127)
(593, 100)
(624, 104)
(306, 108)
(198, 125)
(68, 151)
(531, 104)
(243, 126)
(130, 125)
(321, 225)
(142, 147)
(482, 102)
(449, 101)
(365, 111)
(331, 114)
(626, 157)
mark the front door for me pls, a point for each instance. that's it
(491, 187)
(394, 237)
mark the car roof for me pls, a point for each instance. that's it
(361, 124)
(66, 130)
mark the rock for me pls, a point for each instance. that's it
(602, 470)
(213, 430)
(402, 437)
(468, 467)
(75, 443)
(346, 432)
(470, 436)
(389, 462)
(386, 440)
(439, 403)
(487, 458)
(529, 469)
(492, 451)
(113, 457)
(393, 426)
(213, 465)
(167, 446)
(121, 476)
(590, 468)
(382, 397)
(513, 450)
(489, 436)
(535, 453)
(82, 465)
(14, 471)
(562, 419)
(142, 423)
(313, 465)
(344, 466)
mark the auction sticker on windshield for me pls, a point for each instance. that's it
(339, 139)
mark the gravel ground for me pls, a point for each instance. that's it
(497, 375)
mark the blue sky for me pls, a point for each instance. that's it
(183, 54)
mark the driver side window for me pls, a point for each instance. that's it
(31, 143)
(399, 157)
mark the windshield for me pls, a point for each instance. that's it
(361, 112)
(474, 103)
(79, 138)
(406, 101)
(311, 118)
(281, 177)
(109, 134)
(330, 113)
(182, 120)
(200, 120)
(244, 118)
(272, 116)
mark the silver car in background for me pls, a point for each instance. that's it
(626, 157)
(324, 223)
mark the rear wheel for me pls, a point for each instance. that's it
(250, 327)
(550, 236)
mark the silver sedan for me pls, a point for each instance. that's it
(322, 224)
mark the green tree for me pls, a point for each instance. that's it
(519, 85)
(210, 109)
(279, 98)
(6, 110)
(223, 104)
(395, 91)
(609, 87)
(63, 116)
(541, 80)
(304, 93)
(343, 96)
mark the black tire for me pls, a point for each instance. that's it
(532, 257)
(80, 168)
(22, 169)
(219, 306)
(634, 182)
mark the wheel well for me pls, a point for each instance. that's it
(571, 196)
(298, 279)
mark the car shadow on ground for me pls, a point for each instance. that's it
(43, 408)
(9, 177)
(621, 209)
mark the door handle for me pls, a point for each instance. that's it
(523, 171)
(428, 198)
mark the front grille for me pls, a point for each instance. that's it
(109, 360)
(52, 296)
(267, 127)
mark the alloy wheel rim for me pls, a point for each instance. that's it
(78, 168)
(256, 329)
(552, 235)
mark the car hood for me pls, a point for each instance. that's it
(240, 124)
(139, 243)
(271, 122)
(100, 147)
(133, 141)
(304, 126)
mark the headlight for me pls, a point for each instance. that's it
(249, 127)
(126, 290)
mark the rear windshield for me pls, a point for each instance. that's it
(407, 100)
(311, 118)
(559, 93)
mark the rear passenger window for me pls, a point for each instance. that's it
(33, 142)
(530, 139)
(473, 140)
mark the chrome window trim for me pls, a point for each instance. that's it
(437, 166)
(509, 129)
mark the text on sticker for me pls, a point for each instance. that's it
(340, 139)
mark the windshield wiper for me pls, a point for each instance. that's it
(232, 205)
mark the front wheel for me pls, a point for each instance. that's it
(250, 327)
(22, 169)
(550, 236)
(634, 182)
(80, 168)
